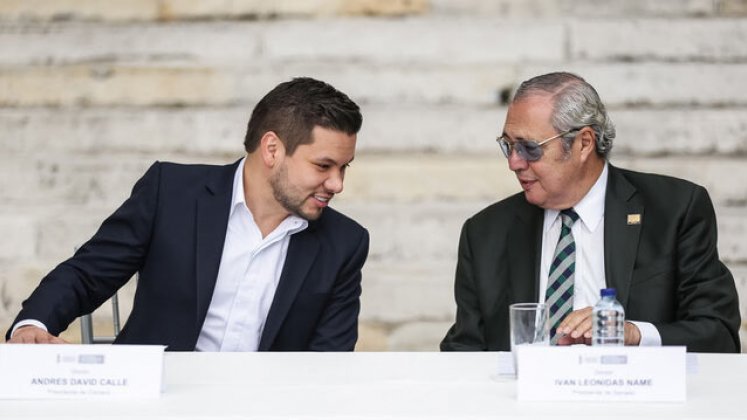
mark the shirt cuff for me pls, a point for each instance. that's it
(649, 334)
(25, 322)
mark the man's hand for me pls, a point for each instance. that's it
(29, 334)
(576, 329)
(632, 334)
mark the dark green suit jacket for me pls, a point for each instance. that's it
(666, 269)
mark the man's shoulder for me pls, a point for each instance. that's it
(192, 176)
(332, 220)
(656, 183)
(337, 232)
(509, 205)
(187, 169)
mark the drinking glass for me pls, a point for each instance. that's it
(529, 326)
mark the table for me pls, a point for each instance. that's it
(379, 386)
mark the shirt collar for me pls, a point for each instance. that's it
(237, 196)
(590, 209)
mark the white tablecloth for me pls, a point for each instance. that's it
(379, 386)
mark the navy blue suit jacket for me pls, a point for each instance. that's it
(171, 230)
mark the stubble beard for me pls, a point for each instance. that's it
(289, 195)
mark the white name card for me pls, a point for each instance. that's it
(586, 373)
(62, 371)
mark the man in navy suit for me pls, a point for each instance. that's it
(651, 237)
(243, 257)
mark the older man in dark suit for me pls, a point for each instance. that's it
(581, 224)
(242, 257)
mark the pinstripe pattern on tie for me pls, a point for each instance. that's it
(559, 296)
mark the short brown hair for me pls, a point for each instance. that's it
(292, 109)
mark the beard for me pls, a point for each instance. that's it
(290, 196)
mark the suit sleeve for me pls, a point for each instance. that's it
(707, 316)
(102, 265)
(467, 333)
(337, 328)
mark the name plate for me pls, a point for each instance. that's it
(68, 371)
(585, 373)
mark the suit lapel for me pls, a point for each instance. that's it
(524, 253)
(302, 251)
(621, 232)
(213, 207)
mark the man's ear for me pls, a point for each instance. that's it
(588, 140)
(271, 149)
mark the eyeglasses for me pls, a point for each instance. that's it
(529, 150)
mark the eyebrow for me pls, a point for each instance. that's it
(515, 139)
(504, 134)
(330, 161)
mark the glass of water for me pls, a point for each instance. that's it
(529, 326)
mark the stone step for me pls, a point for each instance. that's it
(170, 10)
(661, 39)
(406, 177)
(635, 85)
(423, 226)
(589, 8)
(443, 40)
(387, 128)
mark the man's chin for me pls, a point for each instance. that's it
(533, 199)
(309, 215)
(312, 217)
(528, 196)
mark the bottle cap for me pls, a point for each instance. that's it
(608, 292)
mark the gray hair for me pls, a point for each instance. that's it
(576, 104)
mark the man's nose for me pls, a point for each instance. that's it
(334, 183)
(516, 162)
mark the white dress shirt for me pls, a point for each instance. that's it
(588, 233)
(248, 277)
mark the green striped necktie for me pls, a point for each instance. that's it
(559, 296)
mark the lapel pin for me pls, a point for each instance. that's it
(634, 219)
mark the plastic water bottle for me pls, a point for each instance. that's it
(608, 319)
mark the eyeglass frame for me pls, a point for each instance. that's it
(508, 147)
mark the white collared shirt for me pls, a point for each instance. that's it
(588, 233)
(248, 277)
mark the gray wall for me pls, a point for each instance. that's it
(92, 92)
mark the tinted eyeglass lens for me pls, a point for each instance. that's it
(530, 151)
(505, 147)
